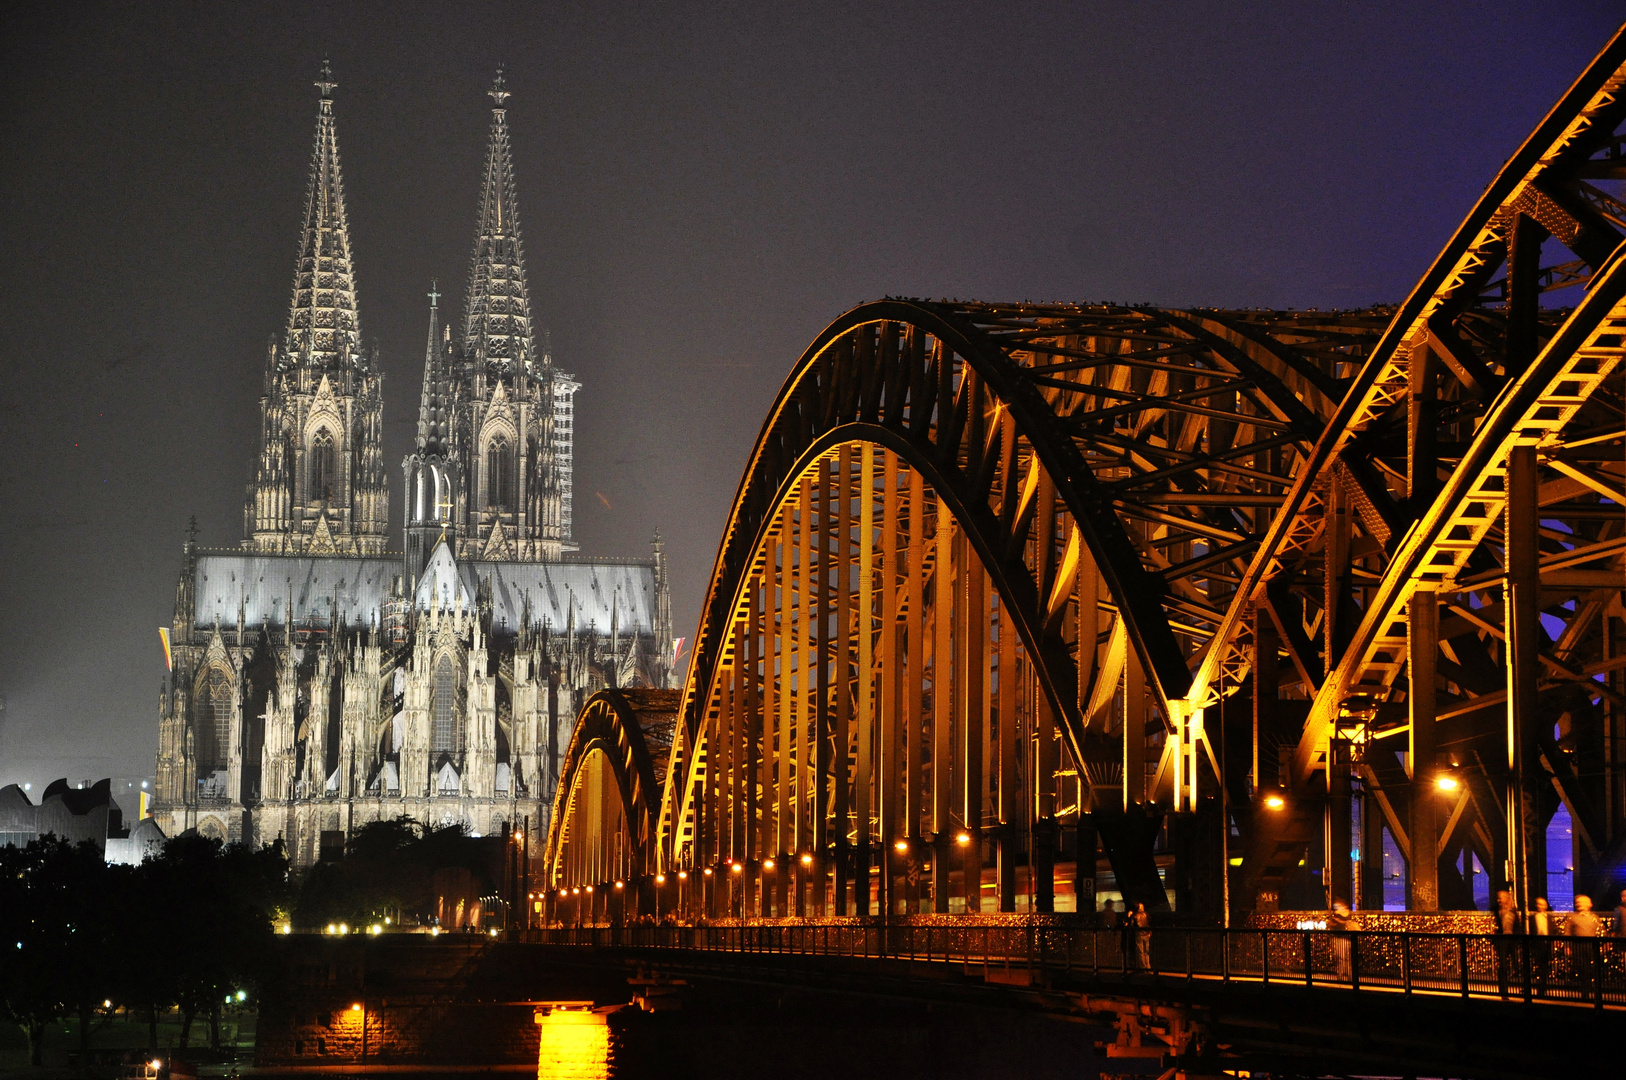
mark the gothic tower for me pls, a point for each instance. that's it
(320, 486)
(508, 506)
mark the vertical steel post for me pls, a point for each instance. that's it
(1422, 655)
(1522, 604)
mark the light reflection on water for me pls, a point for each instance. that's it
(574, 1044)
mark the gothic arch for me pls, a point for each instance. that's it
(322, 466)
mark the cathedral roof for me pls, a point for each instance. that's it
(356, 588)
(588, 595)
(498, 325)
(323, 328)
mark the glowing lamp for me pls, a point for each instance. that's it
(735, 868)
(707, 871)
(683, 875)
(589, 888)
(660, 879)
(108, 1004)
(1447, 782)
(619, 884)
(901, 845)
(807, 860)
(356, 1007)
(767, 864)
(1274, 802)
(963, 839)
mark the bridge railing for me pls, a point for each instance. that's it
(1573, 970)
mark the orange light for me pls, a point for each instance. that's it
(901, 845)
(1447, 782)
(963, 839)
(576, 891)
(735, 868)
(660, 879)
(618, 884)
(683, 875)
(1274, 802)
(356, 1007)
(767, 864)
(708, 871)
(589, 888)
(807, 860)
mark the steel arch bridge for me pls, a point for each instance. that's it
(1006, 584)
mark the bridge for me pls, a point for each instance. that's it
(1235, 601)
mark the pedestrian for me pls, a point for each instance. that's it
(1109, 915)
(1540, 944)
(1343, 923)
(1126, 936)
(1507, 925)
(1143, 938)
(1583, 923)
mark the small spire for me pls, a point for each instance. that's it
(498, 94)
(434, 295)
(326, 84)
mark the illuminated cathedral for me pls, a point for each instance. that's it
(318, 680)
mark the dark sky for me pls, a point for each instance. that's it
(702, 189)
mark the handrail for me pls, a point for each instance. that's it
(1577, 971)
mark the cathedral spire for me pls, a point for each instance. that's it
(323, 329)
(434, 407)
(498, 326)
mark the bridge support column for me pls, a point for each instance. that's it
(1340, 877)
(1044, 864)
(1008, 857)
(1527, 840)
(1423, 638)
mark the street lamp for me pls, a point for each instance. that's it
(1447, 781)
(1274, 802)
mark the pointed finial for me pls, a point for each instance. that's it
(498, 94)
(326, 84)
(434, 296)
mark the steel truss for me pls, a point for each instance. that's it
(1001, 582)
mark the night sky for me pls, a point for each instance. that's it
(702, 189)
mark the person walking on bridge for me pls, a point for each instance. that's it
(1542, 924)
(1583, 923)
(1343, 924)
(1143, 937)
(1509, 923)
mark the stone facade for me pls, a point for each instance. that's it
(317, 681)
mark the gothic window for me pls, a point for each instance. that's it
(323, 463)
(213, 722)
(443, 736)
(499, 474)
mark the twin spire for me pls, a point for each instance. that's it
(323, 328)
(498, 329)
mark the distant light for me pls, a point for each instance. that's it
(157, 1064)
(493, 932)
(589, 888)
(1274, 802)
(660, 879)
(619, 884)
(1447, 782)
(735, 867)
(707, 871)
(386, 920)
(356, 1007)
(901, 845)
(963, 839)
(332, 929)
(577, 891)
(344, 928)
(807, 860)
(143, 784)
(242, 995)
(107, 1003)
(683, 875)
(767, 864)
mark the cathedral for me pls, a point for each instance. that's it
(318, 680)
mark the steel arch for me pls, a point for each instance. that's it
(632, 728)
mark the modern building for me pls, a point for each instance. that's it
(319, 681)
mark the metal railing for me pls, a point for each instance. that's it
(1560, 970)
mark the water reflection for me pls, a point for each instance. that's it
(574, 1044)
